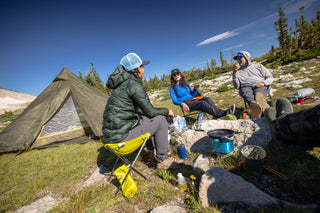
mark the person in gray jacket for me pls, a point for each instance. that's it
(252, 81)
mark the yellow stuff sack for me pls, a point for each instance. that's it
(129, 187)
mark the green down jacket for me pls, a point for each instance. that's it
(128, 100)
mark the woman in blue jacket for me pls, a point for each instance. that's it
(182, 95)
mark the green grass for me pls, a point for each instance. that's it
(33, 174)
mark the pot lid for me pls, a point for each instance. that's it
(220, 133)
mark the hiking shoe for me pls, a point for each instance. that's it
(270, 114)
(261, 99)
(232, 109)
(169, 163)
(283, 107)
(256, 110)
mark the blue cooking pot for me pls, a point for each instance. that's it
(221, 140)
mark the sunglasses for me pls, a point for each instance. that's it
(238, 58)
(176, 74)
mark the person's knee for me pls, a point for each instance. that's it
(161, 120)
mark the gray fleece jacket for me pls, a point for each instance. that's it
(252, 74)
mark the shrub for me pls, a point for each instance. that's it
(223, 88)
(8, 116)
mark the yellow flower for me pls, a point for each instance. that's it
(193, 177)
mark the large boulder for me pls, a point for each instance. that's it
(246, 132)
(220, 186)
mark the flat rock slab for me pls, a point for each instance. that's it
(168, 208)
(220, 186)
(246, 132)
(40, 206)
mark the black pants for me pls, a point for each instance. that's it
(300, 128)
(204, 105)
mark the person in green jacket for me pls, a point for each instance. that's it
(129, 112)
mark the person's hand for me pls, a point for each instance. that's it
(235, 68)
(260, 84)
(196, 86)
(171, 114)
(185, 107)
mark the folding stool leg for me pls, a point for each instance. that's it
(125, 160)
(114, 166)
(131, 166)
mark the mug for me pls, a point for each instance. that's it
(182, 151)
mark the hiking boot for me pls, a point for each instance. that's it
(256, 110)
(270, 114)
(283, 107)
(261, 99)
(169, 163)
(232, 109)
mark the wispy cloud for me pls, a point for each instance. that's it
(234, 32)
(230, 48)
(219, 37)
(289, 6)
(292, 6)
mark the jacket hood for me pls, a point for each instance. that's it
(117, 77)
(247, 56)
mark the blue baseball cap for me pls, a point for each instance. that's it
(132, 61)
(238, 56)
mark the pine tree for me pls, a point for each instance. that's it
(273, 53)
(213, 64)
(223, 61)
(290, 41)
(93, 78)
(231, 60)
(281, 26)
(207, 67)
(303, 29)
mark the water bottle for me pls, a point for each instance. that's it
(182, 184)
(169, 137)
(200, 117)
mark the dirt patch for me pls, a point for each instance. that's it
(11, 100)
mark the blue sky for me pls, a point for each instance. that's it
(40, 37)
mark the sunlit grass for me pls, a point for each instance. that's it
(33, 174)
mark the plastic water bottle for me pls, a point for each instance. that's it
(182, 184)
(169, 137)
(200, 117)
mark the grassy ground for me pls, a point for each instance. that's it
(61, 170)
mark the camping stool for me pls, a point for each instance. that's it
(120, 150)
